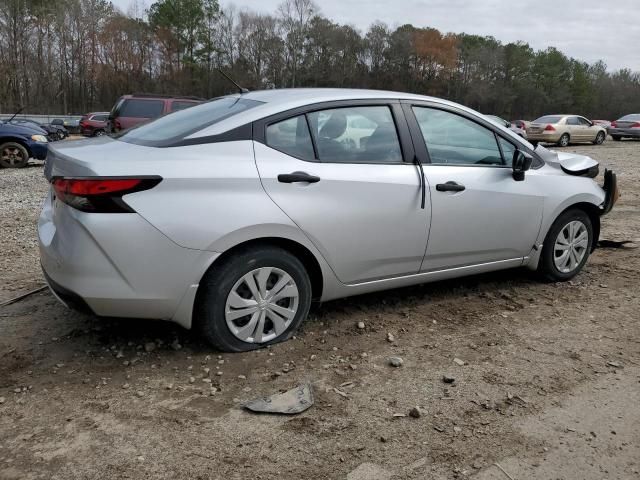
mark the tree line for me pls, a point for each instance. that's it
(75, 56)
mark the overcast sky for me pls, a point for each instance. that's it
(589, 30)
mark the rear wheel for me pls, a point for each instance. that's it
(567, 246)
(617, 138)
(99, 133)
(600, 138)
(254, 298)
(13, 155)
(564, 140)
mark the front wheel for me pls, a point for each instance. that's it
(567, 246)
(13, 155)
(600, 138)
(252, 299)
(564, 140)
(99, 133)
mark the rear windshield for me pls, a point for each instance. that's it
(180, 124)
(134, 108)
(548, 119)
(634, 117)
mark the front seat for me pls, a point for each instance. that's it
(382, 145)
(328, 147)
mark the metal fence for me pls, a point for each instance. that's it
(40, 118)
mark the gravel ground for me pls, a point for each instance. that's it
(546, 377)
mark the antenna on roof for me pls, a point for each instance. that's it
(240, 89)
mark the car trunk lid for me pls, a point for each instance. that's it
(102, 156)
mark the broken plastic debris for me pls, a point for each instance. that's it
(291, 402)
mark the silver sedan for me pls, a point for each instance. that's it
(233, 216)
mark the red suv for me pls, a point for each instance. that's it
(94, 124)
(130, 110)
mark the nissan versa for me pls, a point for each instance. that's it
(232, 216)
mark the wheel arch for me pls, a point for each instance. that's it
(594, 215)
(301, 252)
(21, 141)
(590, 209)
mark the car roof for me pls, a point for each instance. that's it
(280, 100)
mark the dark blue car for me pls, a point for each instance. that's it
(19, 143)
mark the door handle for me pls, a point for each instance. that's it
(297, 177)
(450, 187)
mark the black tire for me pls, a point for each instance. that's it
(600, 138)
(564, 140)
(217, 283)
(99, 133)
(547, 267)
(13, 155)
(617, 138)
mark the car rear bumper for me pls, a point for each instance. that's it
(117, 265)
(624, 132)
(550, 137)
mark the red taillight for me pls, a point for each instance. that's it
(549, 128)
(614, 124)
(636, 125)
(100, 195)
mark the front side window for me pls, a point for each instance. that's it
(356, 135)
(455, 140)
(99, 118)
(141, 108)
(508, 149)
(291, 136)
(179, 125)
(584, 122)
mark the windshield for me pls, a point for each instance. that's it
(548, 119)
(180, 124)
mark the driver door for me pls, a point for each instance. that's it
(480, 214)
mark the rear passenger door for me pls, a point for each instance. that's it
(576, 129)
(344, 173)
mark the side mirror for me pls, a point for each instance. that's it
(521, 163)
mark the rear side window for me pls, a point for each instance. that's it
(178, 105)
(141, 108)
(631, 118)
(356, 135)
(455, 140)
(291, 136)
(573, 121)
(178, 125)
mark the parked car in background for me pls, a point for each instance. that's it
(269, 199)
(564, 130)
(523, 124)
(18, 143)
(626, 127)
(94, 124)
(602, 123)
(506, 124)
(72, 125)
(52, 132)
(131, 110)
